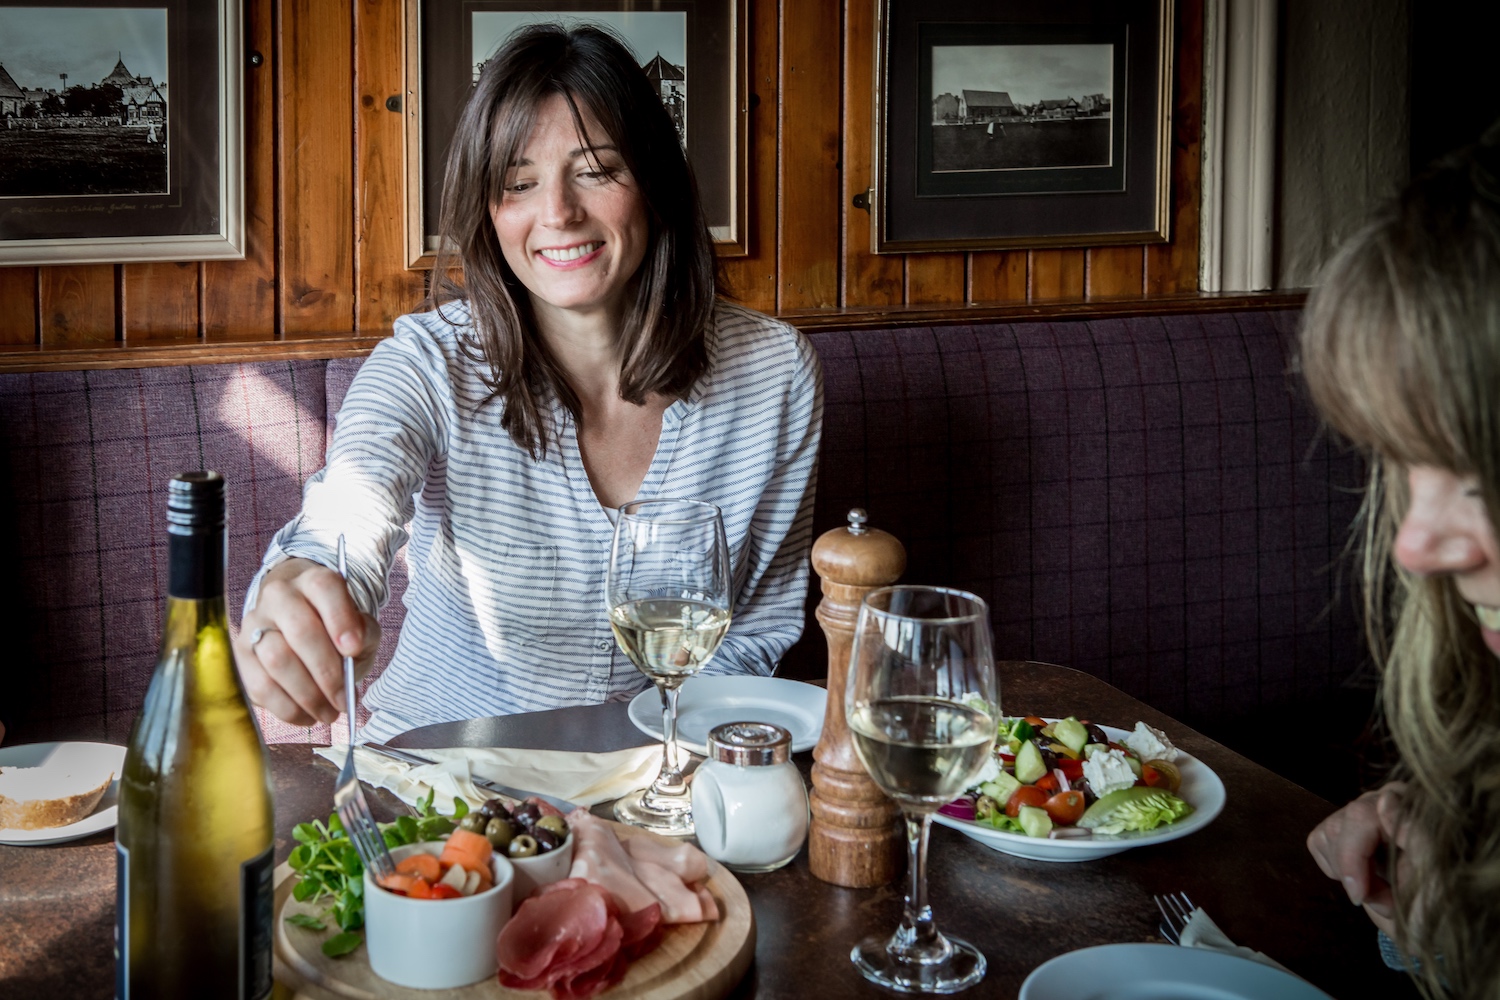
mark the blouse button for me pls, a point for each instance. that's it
(605, 644)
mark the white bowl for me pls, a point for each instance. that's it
(435, 944)
(540, 869)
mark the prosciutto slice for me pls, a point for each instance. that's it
(550, 929)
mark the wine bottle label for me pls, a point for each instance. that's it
(257, 899)
(122, 922)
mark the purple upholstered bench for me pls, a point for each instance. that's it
(1146, 499)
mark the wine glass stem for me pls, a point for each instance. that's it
(918, 934)
(669, 780)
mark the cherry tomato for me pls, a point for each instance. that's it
(1036, 721)
(1071, 769)
(445, 891)
(1047, 783)
(1026, 795)
(1065, 808)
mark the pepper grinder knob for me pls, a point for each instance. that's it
(855, 839)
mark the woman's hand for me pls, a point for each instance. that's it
(1349, 846)
(296, 670)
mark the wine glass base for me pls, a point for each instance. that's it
(632, 811)
(963, 967)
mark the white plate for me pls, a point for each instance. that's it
(1161, 972)
(1201, 789)
(706, 702)
(105, 756)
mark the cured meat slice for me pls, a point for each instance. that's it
(598, 857)
(555, 927)
(679, 904)
(643, 931)
(690, 864)
(707, 901)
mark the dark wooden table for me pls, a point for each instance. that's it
(1250, 870)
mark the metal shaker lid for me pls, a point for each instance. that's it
(749, 743)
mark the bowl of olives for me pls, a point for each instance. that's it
(538, 845)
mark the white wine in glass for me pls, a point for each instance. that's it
(923, 701)
(668, 590)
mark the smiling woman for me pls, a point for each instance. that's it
(582, 361)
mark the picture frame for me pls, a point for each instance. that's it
(445, 39)
(151, 170)
(1025, 124)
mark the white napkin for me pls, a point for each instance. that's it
(1202, 932)
(581, 778)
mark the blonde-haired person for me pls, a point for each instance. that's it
(1401, 350)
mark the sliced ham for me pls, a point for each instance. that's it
(599, 858)
(552, 928)
(679, 903)
(690, 864)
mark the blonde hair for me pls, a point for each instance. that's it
(1401, 351)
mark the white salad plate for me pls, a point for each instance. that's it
(1201, 789)
(104, 756)
(706, 702)
(1161, 972)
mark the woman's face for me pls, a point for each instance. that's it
(571, 223)
(1447, 531)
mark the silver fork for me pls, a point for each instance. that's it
(348, 798)
(1176, 909)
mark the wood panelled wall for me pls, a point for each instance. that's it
(323, 173)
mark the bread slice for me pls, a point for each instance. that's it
(40, 798)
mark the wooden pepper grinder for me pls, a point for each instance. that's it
(855, 839)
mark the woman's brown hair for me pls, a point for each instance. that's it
(669, 304)
(1401, 350)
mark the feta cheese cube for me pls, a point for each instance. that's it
(1107, 771)
(1150, 743)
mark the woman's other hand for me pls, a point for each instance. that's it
(1350, 846)
(310, 622)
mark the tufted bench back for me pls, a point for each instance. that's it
(1148, 500)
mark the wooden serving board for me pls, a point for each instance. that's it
(693, 961)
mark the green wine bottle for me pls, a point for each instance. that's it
(194, 841)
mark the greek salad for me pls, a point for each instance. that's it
(1067, 778)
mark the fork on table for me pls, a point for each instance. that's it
(348, 798)
(1176, 909)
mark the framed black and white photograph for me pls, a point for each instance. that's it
(693, 51)
(1024, 124)
(120, 132)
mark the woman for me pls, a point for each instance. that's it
(1402, 353)
(584, 362)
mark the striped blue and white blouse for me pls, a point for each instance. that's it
(506, 554)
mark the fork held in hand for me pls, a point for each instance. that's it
(1176, 909)
(348, 798)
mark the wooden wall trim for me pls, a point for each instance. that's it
(14, 359)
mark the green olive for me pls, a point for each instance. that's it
(474, 822)
(523, 846)
(499, 832)
(556, 824)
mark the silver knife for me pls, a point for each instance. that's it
(490, 786)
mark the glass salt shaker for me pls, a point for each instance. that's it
(749, 804)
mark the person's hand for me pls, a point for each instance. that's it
(1350, 846)
(296, 670)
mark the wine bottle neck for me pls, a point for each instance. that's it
(196, 561)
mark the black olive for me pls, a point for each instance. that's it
(526, 814)
(495, 809)
(1096, 735)
(1049, 759)
(545, 839)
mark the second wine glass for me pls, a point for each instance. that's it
(922, 701)
(668, 591)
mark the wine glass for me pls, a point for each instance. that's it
(668, 592)
(923, 702)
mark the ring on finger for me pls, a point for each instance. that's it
(258, 634)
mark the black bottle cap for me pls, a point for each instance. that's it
(195, 500)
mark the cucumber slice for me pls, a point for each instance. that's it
(1002, 788)
(1034, 821)
(1135, 764)
(1029, 766)
(1071, 734)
